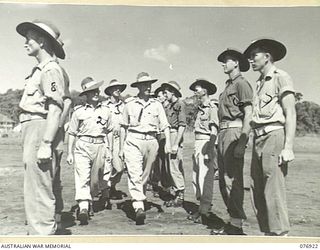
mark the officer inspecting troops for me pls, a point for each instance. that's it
(143, 117)
(274, 124)
(116, 105)
(41, 106)
(205, 154)
(176, 115)
(235, 110)
(90, 124)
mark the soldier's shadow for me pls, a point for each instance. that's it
(67, 221)
(127, 208)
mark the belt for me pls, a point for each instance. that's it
(89, 139)
(142, 135)
(24, 117)
(230, 124)
(202, 136)
(263, 130)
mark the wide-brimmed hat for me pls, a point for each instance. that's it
(113, 83)
(275, 48)
(157, 90)
(237, 55)
(210, 87)
(46, 28)
(88, 84)
(143, 77)
(172, 86)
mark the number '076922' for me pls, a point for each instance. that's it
(309, 246)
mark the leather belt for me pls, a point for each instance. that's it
(202, 136)
(24, 117)
(142, 135)
(230, 124)
(265, 129)
(93, 140)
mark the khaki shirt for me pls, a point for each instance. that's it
(176, 114)
(48, 81)
(144, 117)
(89, 121)
(207, 116)
(238, 92)
(116, 114)
(267, 100)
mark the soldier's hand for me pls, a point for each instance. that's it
(70, 159)
(285, 156)
(44, 153)
(239, 150)
(121, 155)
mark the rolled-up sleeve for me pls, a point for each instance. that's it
(163, 121)
(213, 117)
(245, 93)
(109, 123)
(52, 84)
(124, 122)
(182, 119)
(285, 84)
(73, 124)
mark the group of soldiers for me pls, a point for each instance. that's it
(144, 136)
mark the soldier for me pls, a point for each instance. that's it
(235, 109)
(90, 124)
(143, 117)
(176, 115)
(116, 106)
(205, 154)
(41, 106)
(274, 124)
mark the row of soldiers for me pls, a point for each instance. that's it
(145, 135)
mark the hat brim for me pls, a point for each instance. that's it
(243, 61)
(135, 84)
(169, 86)
(275, 48)
(23, 28)
(122, 88)
(159, 89)
(95, 86)
(210, 87)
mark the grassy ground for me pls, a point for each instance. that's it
(302, 193)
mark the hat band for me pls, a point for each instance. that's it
(144, 78)
(47, 29)
(88, 85)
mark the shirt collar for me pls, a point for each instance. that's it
(269, 75)
(205, 104)
(45, 62)
(234, 78)
(87, 105)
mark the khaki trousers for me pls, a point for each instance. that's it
(117, 163)
(231, 172)
(268, 186)
(139, 156)
(203, 174)
(39, 198)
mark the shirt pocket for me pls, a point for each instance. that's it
(153, 119)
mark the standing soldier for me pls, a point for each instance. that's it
(274, 124)
(116, 106)
(143, 117)
(90, 124)
(235, 109)
(205, 154)
(176, 115)
(41, 108)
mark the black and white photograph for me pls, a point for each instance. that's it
(136, 120)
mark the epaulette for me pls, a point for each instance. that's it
(154, 99)
(130, 99)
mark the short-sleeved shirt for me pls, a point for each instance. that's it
(269, 91)
(176, 114)
(116, 113)
(207, 116)
(144, 117)
(237, 93)
(47, 82)
(89, 121)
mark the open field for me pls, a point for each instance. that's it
(303, 187)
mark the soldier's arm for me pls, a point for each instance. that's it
(123, 130)
(65, 112)
(72, 133)
(182, 124)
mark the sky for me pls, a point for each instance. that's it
(170, 43)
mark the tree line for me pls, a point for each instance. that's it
(308, 113)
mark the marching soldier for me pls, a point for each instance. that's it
(235, 109)
(143, 117)
(176, 115)
(90, 124)
(116, 106)
(205, 154)
(41, 106)
(274, 124)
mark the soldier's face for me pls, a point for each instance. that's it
(115, 91)
(199, 91)
(93, 95)
(168, 94)
(145, 88)
(161, 97)
(258, 60)
(32, 44)
(229, 65)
